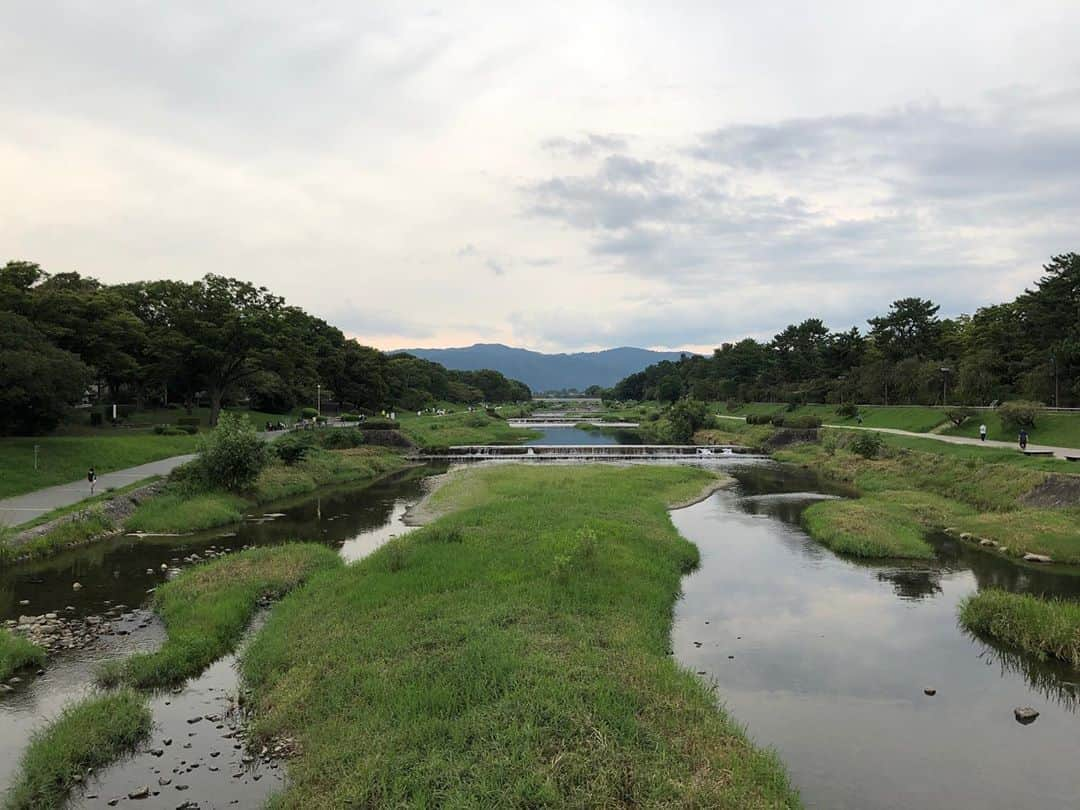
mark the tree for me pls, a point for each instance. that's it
(910, 329)
(38, 381)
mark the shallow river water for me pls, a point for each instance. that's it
(821, 657)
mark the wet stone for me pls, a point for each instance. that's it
(1025, 715)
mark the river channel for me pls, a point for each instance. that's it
(822, 657)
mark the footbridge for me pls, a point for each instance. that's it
(586, 452)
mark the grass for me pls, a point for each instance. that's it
(461, 428)
(1044, 627)
(977, 453)
(179, 512)
(63, 459)
(931, 491)
(872, 526)
(916, 418)
(86, 503)
(16, 653)
(1055, 429)
(86, 735)
(511, 654)
(92, 525)
(207, 609)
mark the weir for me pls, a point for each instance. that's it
(543, 422)
(543, 452)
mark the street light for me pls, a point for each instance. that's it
(945, 385)
(318, 398)
(1053, 360)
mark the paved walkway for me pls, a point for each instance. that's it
(1059, 452)
(23, 508)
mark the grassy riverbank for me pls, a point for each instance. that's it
(63, 459)
(177, 510)
(89, 734)
(16, 652)
(512, 653)
(905, 490)
(207, 609)
(1045, 627)
(869, 527)
(461, 428)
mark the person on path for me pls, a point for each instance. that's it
(91, 479)
(982, 432)
(1023, 438)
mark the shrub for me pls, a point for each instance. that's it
(350, 417)
(321, 420)
(174, 430)
(867, 444)
(308, 413)
(959, 415)
(476, 420)
(96, 418)
(849, 410)
(193, 421)
(760, 419)
(292, 448)
(733, 405)
(379, 424)
(830, 443)
(232, 455)
(1019, 414)
(685, 417)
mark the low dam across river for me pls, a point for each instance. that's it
(544, 452)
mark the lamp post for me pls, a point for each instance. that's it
(841, 379)
(318, 398)
(1053, 360)
(945, 385)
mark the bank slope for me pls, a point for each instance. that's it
(514, 653)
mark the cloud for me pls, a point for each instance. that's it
(584, 146)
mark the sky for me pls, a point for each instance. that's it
(558, 176)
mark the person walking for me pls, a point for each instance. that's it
(982, 432)
(1023, 438)
(91, 479)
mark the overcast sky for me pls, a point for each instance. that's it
(558, 176)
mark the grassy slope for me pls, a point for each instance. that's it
(16, 652)
(511, 654)
(905, 417)
(62, 459)
(1044, 627)
(89, 734)
(957, 491)
(207, 609)
(461, 428)
(93, 524)
(172, 512)
(1057, 429)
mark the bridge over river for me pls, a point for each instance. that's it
(586, 452)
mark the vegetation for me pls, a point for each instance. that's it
(1023, 349)
(90, 525)
(513, 653)
(86, 735)
(903, 488)
(186, 506)
(1044, 627)
(872, 526)
(63, 459)
(16, 652)
(231, 456)
(207, 609)
(429, 430)
(166, 341)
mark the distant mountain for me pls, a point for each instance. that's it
(548, 372)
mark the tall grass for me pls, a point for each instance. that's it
(89, 526)
(16, 652)
(867, 527)
(207, 608)
(170, 512)
(462, 428)
(1045, 627)
(512, 654)
(88, 734)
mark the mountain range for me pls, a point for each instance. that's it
(548, 372)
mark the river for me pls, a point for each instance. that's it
(822, 657)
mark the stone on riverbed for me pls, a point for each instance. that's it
(140, 792)
(1038, 558)
(1025, 715)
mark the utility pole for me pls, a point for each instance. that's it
(945, 385)
(1053, 360)
(36, 447)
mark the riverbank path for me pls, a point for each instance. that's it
(26, 507)
(1058, 452)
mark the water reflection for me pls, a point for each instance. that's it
(831, 656)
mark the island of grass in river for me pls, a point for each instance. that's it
(514, 652)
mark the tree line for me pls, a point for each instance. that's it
(1028, 348)
(66, 338)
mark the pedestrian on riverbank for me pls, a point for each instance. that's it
(982, 432)
(1023, 438)
(91, 479)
